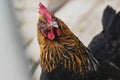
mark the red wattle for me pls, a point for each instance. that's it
(50, 35)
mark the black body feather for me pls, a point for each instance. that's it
(106, 46)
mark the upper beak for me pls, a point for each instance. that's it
(54, 24)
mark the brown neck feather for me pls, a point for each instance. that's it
(67, 50)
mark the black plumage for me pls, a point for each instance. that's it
(106, 46)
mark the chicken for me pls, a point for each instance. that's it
(62, 55)
(106, 45)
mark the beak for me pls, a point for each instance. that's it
(54, 24)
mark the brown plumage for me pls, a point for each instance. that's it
(61, 50)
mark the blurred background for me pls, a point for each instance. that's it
(19, 19)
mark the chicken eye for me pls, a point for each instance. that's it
(43, 24)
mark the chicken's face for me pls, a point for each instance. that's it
(48, 24)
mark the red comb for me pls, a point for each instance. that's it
(43, 11)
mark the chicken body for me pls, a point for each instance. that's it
(106, 46)
(62, 54)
